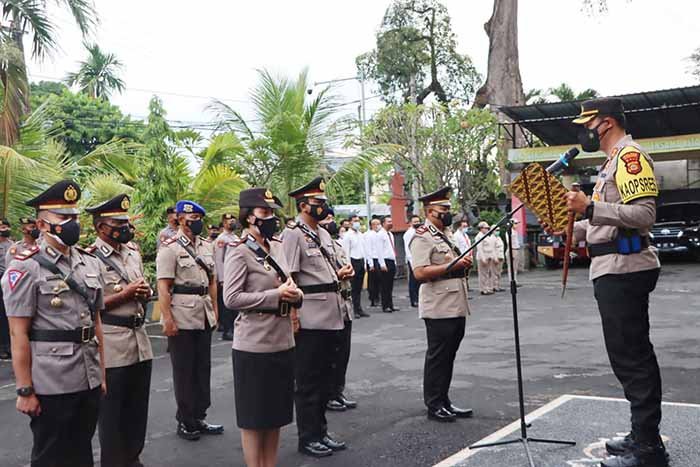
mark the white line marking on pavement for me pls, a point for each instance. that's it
(466, 453)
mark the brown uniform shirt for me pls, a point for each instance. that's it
(610, 213)
(320, 310)
(251, 284)
(444, 298)
(167, 233)
(31, 291)
(345, 285)
(123, 346)
(221, 244)
(173, 262)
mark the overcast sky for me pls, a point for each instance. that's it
(212, 48)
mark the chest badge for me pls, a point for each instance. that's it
(118, 288)
(56, 302)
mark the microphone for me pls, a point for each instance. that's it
(563, 161)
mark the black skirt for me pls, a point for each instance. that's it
(264, 387)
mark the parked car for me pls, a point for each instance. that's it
(677, 229)
(551, 247)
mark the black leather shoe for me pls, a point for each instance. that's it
(315, 449)
(228, 336)
(332, 444)
(364, 314)
(395, 309)
(640, 456)
(335, 406)
(5, 355)
(620, 446)
(188, 433)
(441, 415)
(208, 429)
(460, 413)
(414, 305)
(347, 402)
(388, 310)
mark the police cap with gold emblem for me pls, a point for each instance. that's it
(227, 216)
(440, 197)
(593, 108)
(60, 198)
(170, 210)
(316, 188)
(259, 198)
(116, 208)
(186, 206)
(27, 220)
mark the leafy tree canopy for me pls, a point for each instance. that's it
(416, 55)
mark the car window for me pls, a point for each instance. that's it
(678, 212)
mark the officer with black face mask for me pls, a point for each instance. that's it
(54, 297)
(128, 353)
(624, 269)
(187, 296)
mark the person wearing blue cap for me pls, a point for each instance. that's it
(187, 296)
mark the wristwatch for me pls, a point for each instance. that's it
(25, 391)
(589, 211)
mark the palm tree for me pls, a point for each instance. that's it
(286, 140)
(98, 75)
(560, 93)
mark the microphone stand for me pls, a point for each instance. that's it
(507, 222)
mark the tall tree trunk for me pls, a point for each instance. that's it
(504, 86)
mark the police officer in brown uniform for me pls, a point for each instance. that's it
(53, 295)
(187, 296)
(338, 402)
(127, 348)
(442, 303)
(624, 270)
(5, 247)
(257, 282)
(29, 236)
(221, 244)
(170, 230)
(312, 260)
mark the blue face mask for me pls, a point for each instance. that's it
(356, 225)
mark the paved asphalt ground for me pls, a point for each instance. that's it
(562, 353)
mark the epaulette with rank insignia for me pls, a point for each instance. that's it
(422, 229)
(26, 254)
(13, 251)
(169, 241)
(276, 239)
(87, 250)
(238, 242)
(91, 249)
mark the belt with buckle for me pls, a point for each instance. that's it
(190, 290)
(610, 248)
(454, 274)
(282, 311)
(131, 322)
(320, 288)
(77, 336)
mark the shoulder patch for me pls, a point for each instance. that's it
(421, 230)
(634, 175)
(169, 241)
(85, 250)
(133, 246)
(91, 249)
(13, 278)
(26, 254)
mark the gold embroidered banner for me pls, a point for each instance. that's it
(543, 194)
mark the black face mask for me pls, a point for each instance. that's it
(195, 226)
(415, 226)
(267, 226)
(34, 233)
(5, 233)
(445, 218)
(121, 234)
(589, 138)
(320, 211)
(68, 231)
(331, 227)
(213, 236)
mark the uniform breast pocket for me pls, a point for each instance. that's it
(314, 256)
(446, 287)
(53, 349)
(92, 284)
(439, 254)
(55, 296)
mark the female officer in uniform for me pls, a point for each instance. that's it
(257, 283)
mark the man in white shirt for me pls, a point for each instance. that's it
(386, 255)
(462, 241)
(412, 282)
(373, 277)
(517, 251)
(354, 246)
(497, 265)
(485, 255)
